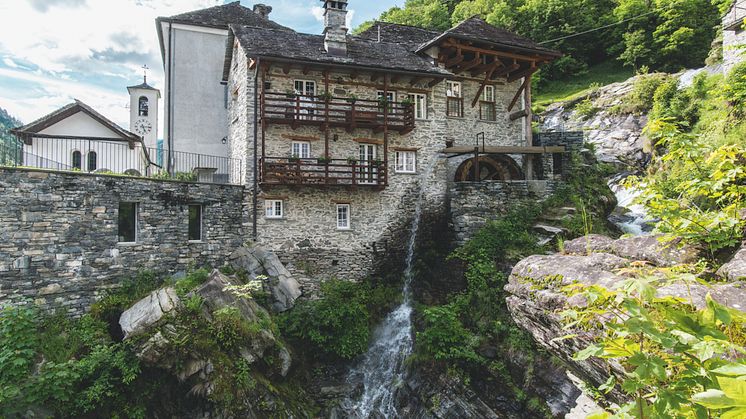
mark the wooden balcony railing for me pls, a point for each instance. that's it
(455, 106)
(292, 171)
(296, 110)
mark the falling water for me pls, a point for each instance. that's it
(381, 369)
(631, 218)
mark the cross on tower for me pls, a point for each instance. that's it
(145, 73)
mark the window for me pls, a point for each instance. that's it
(301, 149)
(142, 106)
(195, 222)
(557, 159)
(420, 105)
(92, 161)
(77, 160)
(454, 101)
(305, 87)
(273, 208)
(225, 96)
(487, 105)
(390, 98)
(368, 168)
(128, 222)
(343, 216)
(406, 162)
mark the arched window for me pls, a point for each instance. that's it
(77, 160)
(143, 106)
(92, 161)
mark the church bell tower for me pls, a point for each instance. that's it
(144, 111)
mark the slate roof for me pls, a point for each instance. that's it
(67, 111)
(477, 30)
(222, 16)
(144, 86)
(361, 52)
(401, 34)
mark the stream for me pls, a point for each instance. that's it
(382, 368)
(631, 218)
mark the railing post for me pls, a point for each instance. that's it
(354, 172)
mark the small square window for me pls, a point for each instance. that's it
(274, 208)
(343, 216)
(128, 222)
(195, 222)
(301, 149)
(406, 162)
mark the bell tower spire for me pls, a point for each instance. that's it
(144, 110)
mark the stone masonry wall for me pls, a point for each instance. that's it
(475, 203)
(59, 233)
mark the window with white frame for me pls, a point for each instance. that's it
(454, 102)
(301, 149)
(127, 230)
(343, 216)
(305, 87)
(487, 110)
(390, 99)
(420, 105)
(489, 94)
(406, 162)
(453, 89)
(274, 208)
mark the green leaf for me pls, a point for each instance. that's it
(714, 399)
(737, 413)
(733, 388)
(733, 370)
(592, 350)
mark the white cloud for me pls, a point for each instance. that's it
(318, 13)
(10, 63)
(350, 16)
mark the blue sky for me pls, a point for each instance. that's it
(52, 51)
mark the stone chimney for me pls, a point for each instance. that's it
(335, 27)
(262, 10)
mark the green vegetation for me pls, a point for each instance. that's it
(680, 362)
(9, 146)
(562, 90)
(338, 324)
(665, 35)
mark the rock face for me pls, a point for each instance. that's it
(535, 300)
(736, 268)
(281, 285)
(149, 311)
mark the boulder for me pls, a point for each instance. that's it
(653, 249)
(280, 284)
(149, 311)
(735, 269)
(592, 243)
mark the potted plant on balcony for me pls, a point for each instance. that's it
(290, 94)
(352, 98)
(324, 160)
(407, 102)
(326, 96)
(294, 158)
(351, 161)
(377, 163)
(383, 103)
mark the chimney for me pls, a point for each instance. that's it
(335, 29)
(262, 10)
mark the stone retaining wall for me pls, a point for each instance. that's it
(59, 233)
(475, 203)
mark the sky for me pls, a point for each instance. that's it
(54, 51)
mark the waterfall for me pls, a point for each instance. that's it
(382, 368)
(631, 218)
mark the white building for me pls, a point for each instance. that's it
(193, 50)
(77, 137)
(734, 36)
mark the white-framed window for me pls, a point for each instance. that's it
(453, 89)
(195, 222)
(301, 149)
(274, 208)
(128, 222)
(489, 94)
(305, 87)
(420, 105)
(390, 98)
(406, 162)
(343, 216)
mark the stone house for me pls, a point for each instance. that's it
(734, 36)
(338, 133)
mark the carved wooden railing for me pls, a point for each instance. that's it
(320, 172)
(296, 110)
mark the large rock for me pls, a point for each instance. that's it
(592, 243)
(654, 249)
(736, 268)
(280, 284)
(149, 311)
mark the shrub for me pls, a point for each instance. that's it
(586, 109)
(734, 91)
(445, 338)
(191, 281)
(640, 99)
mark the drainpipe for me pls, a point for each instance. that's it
(256, 133)
(169, 124)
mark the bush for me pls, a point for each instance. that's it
(445, 338)
(640, 99)
(734, 91)
(586, 109)
(191, 281)
(338, 324)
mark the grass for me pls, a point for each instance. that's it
(601, 74)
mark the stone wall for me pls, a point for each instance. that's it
(59, 233)
(475, 203)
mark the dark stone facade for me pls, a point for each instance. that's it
(59, 233)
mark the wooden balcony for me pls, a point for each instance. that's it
(300, 110)
(317, 172)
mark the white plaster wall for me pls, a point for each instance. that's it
(150, 138)
(80, 124)
(199, 115)
(56, 154)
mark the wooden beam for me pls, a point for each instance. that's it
(299, 137)
(518, 115)
(485, 51)
(485, 67)
(375, 77)
(506, 70)
(395, 78)
(469, 64)
(434, 82)
(458, 59)
(376, 141)
(415, 80)
(484, 83)
(505, 150)
(517, 95)
(521, 74)
(286, 68)
(306, 70)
